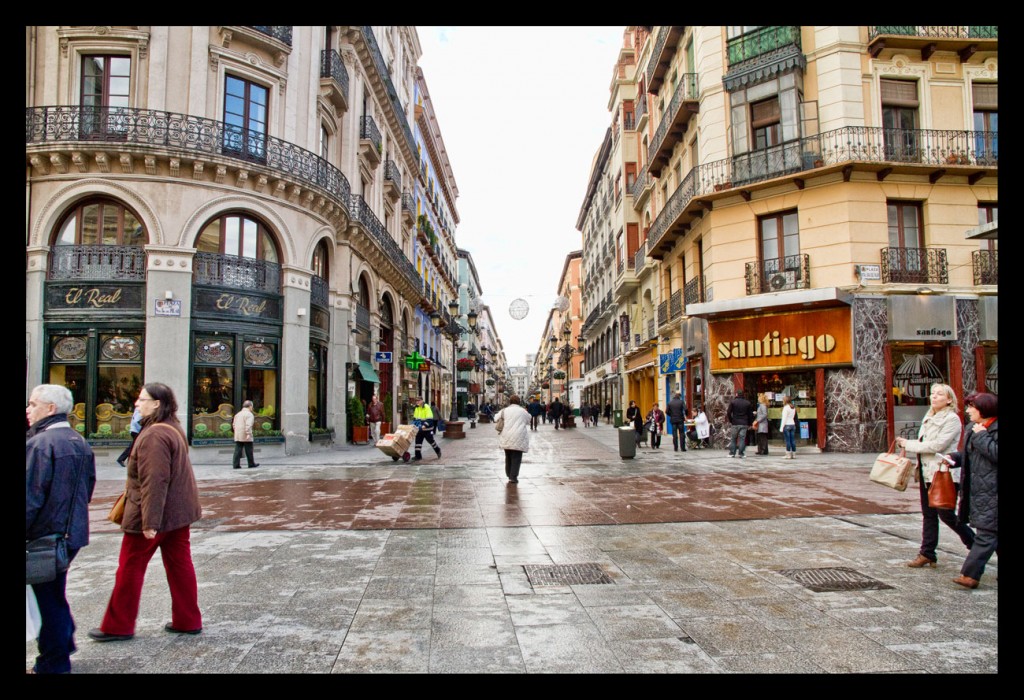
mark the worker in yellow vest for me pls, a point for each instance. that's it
(423, 417)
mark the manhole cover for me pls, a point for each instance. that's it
(833, 579)
(566, 574)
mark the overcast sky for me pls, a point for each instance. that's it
(522, 111)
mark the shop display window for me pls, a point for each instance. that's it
(915, 367)
(801, 388)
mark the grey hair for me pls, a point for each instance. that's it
(58, 395)
(247, 404)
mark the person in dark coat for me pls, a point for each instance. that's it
(634, 416)
(556, 412)
(60, 474)
(979, 485)
(585, 413)
(535, 410)
(608, 412)
(740, 415)
(676, 411)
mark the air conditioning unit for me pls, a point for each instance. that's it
(786, 279)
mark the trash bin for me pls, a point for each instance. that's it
(617, 417)
(627, 442)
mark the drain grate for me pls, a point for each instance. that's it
(833, 579)
(566, 574)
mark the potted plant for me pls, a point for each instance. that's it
(357, 420)
(385, 426)
(465, 364)
(558, 374)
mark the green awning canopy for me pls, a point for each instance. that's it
(369, 374)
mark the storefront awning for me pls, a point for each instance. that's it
(369, 374)
(643, 366)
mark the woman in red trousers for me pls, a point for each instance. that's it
(163, 501)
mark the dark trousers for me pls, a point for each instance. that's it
(128, 450)
(533, 422)
(513, 458)
(738, 440)
(985, 544)
(762, 443)
(427, 435)
(930, 525)
(656, 440)
(556, 420)
(56, 640)
(237, 458)
(678, 436)
(136, 551)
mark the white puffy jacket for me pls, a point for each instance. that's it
(515, 428)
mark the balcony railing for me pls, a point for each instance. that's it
(663, 313)
(97, 262)
(761, 41)
(362, 318)
(368, 130)
(986, 266)
(332, 67)
(393, 174)
(652, 332)
(914, 265)
(779, 274)
(643, 181)
(628, 122)
(385, 75)
(675, 305)
(693, 291)
(218, 270)
(186, 134)
(640, 257)
(318, 292)
(641, 107)
(282, 34)
(686, 94)
(362, 213)
(955, 32)
(408, 202)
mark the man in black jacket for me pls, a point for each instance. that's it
(740, 415)
(535, 410)
(677, 416)
(60, 473)
(556, 412)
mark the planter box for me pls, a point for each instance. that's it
(453, 430)
(360, 434)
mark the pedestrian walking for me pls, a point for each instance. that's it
(511, 423)
(939, 434)
(979, 484)
(556, 412)
(608, 412)
(761, 424)
(536, 411)
(423, 416)
(788, 425)
(656, 423)
(242, 424)
(374, 416)
(585, 413)
(60, 474)
(676, 411)
(634, 416)
(162, 504)
(739, 415)
(134, 429)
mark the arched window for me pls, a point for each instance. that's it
(101, 222)
(240, 235)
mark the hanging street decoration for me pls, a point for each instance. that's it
(518, 309)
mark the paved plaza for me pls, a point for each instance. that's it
(343, 561)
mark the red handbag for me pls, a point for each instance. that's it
(942, 492)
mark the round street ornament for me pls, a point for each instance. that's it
(518, 309)
(562, 303)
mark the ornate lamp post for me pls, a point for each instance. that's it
(453, 330)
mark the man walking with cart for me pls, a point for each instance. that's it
(423, 415)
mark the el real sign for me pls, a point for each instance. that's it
(784, 341)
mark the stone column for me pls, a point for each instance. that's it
(168, 350)
(294, 361)
(35, 343)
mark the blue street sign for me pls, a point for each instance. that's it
(382, 357)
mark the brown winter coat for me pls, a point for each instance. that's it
(162, 491)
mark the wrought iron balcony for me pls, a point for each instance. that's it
(652, 333)
(640, 185)
(216, 270)
(693, 291)
(368, 131)
(685, 103)
(97, 262)
(640, 257)
(661, 56)
(965, 40)
(641, 110)
(628, 122)
(393, 174)
(385, 75)
(185, 135)
(779, 274)
(675, 305)
(408, 202)
(914, 265)
(761, 41)
(362, 318)
(282, 34)
(318, 292)
(334, 73)
(362, 213)
(663, 313)
(986, 266)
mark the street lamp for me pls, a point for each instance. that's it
(453, 330)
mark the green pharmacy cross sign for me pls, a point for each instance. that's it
(417, 362)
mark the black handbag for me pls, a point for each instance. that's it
(46, 557)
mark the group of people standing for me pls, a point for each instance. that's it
(694, 427)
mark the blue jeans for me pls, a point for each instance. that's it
(56, 640)
(789, 433)
(738, 440)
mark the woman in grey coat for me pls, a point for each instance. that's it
(761, 419)
(979, 485)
